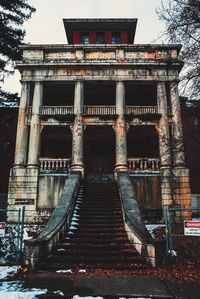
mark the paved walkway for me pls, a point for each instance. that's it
(113, 287)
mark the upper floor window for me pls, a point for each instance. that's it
(100, 38)
(116, 37)
(9, 122)
(84, 38)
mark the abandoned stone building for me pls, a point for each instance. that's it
(99, 105)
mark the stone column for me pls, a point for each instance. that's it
(177, 131)
(22, 127)
(78, 98)
(35, 130)
(163, 130)
(180, 173)
(77, 130)
(120, 98)
(120, 129)
(164, 146)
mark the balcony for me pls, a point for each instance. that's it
(99, 110)
(140, 110)
(143, 164)
(95, 110)
(54, 165)
(138, 165)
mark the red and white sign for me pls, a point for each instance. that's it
(2, 229)
(192, 228)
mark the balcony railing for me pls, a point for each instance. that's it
(134, 164)
(54, 165)
(143, 164)
(57, 110)
(96, 110)
(137, 110)
(99, 110)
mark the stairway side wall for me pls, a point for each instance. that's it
(136, 230)
(49, 191)
(36, 250)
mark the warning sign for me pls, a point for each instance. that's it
(2, 229)
(192, 228)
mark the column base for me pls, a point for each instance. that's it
(120, 168)
(181, 188)
(19, 166)
(78, 168)
(36, 166)
(23, 186)
(175, 187)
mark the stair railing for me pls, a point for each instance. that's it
(37, 250)
(135, 228)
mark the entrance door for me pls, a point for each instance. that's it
(99, 150)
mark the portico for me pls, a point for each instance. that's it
(92, 97)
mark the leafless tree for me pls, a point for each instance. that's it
(182, 19)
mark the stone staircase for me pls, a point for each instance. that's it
(96, 238)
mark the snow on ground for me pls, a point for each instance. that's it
(90, 297)
(13, 289)
(17, 293)
(7, 271)
(64, 271)
(87, 297)
(152, 227)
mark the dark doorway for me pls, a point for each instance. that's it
(99, 150)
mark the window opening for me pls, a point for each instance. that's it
(116, 37)
(100, 38)
(84, 38)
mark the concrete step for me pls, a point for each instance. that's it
(96, 238)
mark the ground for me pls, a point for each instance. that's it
(180, 278)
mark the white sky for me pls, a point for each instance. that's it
(46, 27)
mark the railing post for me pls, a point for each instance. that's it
(18, 234)
(22, 229)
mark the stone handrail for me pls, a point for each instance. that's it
(143, 164)
(135, 228)
(38, 249)
(96, 110)
(49, 164)
(138, 110)
(55, 110)
(99, 110)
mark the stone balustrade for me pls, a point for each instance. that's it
(99, 110)
(96, 110)
(54, 165)
(143, 164)
(138, 110)
(57, 110)
(134, 164)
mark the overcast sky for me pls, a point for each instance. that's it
(46, 25)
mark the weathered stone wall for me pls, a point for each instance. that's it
(23, 186)
(49, 191)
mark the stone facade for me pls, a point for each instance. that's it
(63, 86)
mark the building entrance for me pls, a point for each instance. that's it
(99, 150)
